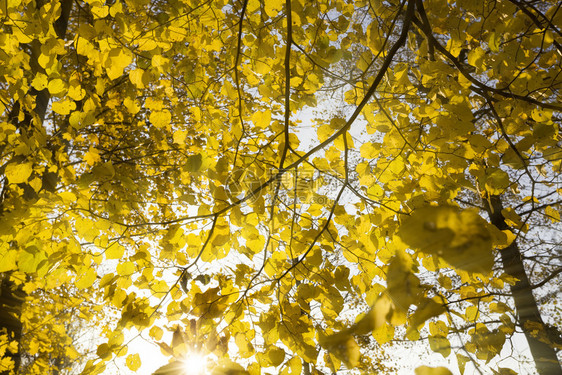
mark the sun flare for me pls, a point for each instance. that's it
(194, 364)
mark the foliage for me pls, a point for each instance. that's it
(154, 165)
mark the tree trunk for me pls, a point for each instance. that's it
(526, 307)
(11, 300)
(12, 296)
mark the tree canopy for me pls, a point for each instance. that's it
(286, 186)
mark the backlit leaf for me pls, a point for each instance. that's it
(461, 237)
(18, 173)
(87, 279)
(425, 370)
(133, 362)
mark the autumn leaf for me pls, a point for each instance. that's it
(87, 279)
(280, 183)
(459, 236)
(18, 173)
(133, 362)
(425, 370)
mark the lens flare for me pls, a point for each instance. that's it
(194, 364)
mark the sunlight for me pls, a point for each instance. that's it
(194, 364)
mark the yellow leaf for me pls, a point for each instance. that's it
(131, 105)
(499, 307)
(31, 259)
(343, 346)
(324, 132)
(512, 218)
(472, 313)
(403, 285)
(339, 142)
(160, 119)
(103, 170)
(63, 107)
(138, 77)
(176, 34)
(75, 91)
(116, 8)
(262, 119)
(56, 86)
(462, 360)
(493, 42)
(244, 345)
(19, 33)
(92, 156)
(126, 268)
(440, 344)
(117, 60)
(39, 81)
(475, 58)
(8, 260)
(194, 163)
(540, 116)
(156, 332)
(272, 7)
(133, 362)
(18, 173)
(115, 251)
(103, 350)
(463, 81)
(376, 317)
(438, 328)
(87, 279)
(369, 150)
(384, 333)
(100, 11)
(427, 309)
(161, 63)
(505, 371)
(180, 137)
(461, 237)
(497, 181)
(276, 356)
(67, 196)
(160, 287)
(553, 214)
(424, 370)
(445, 281)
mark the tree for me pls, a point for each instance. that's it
(152, 161)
